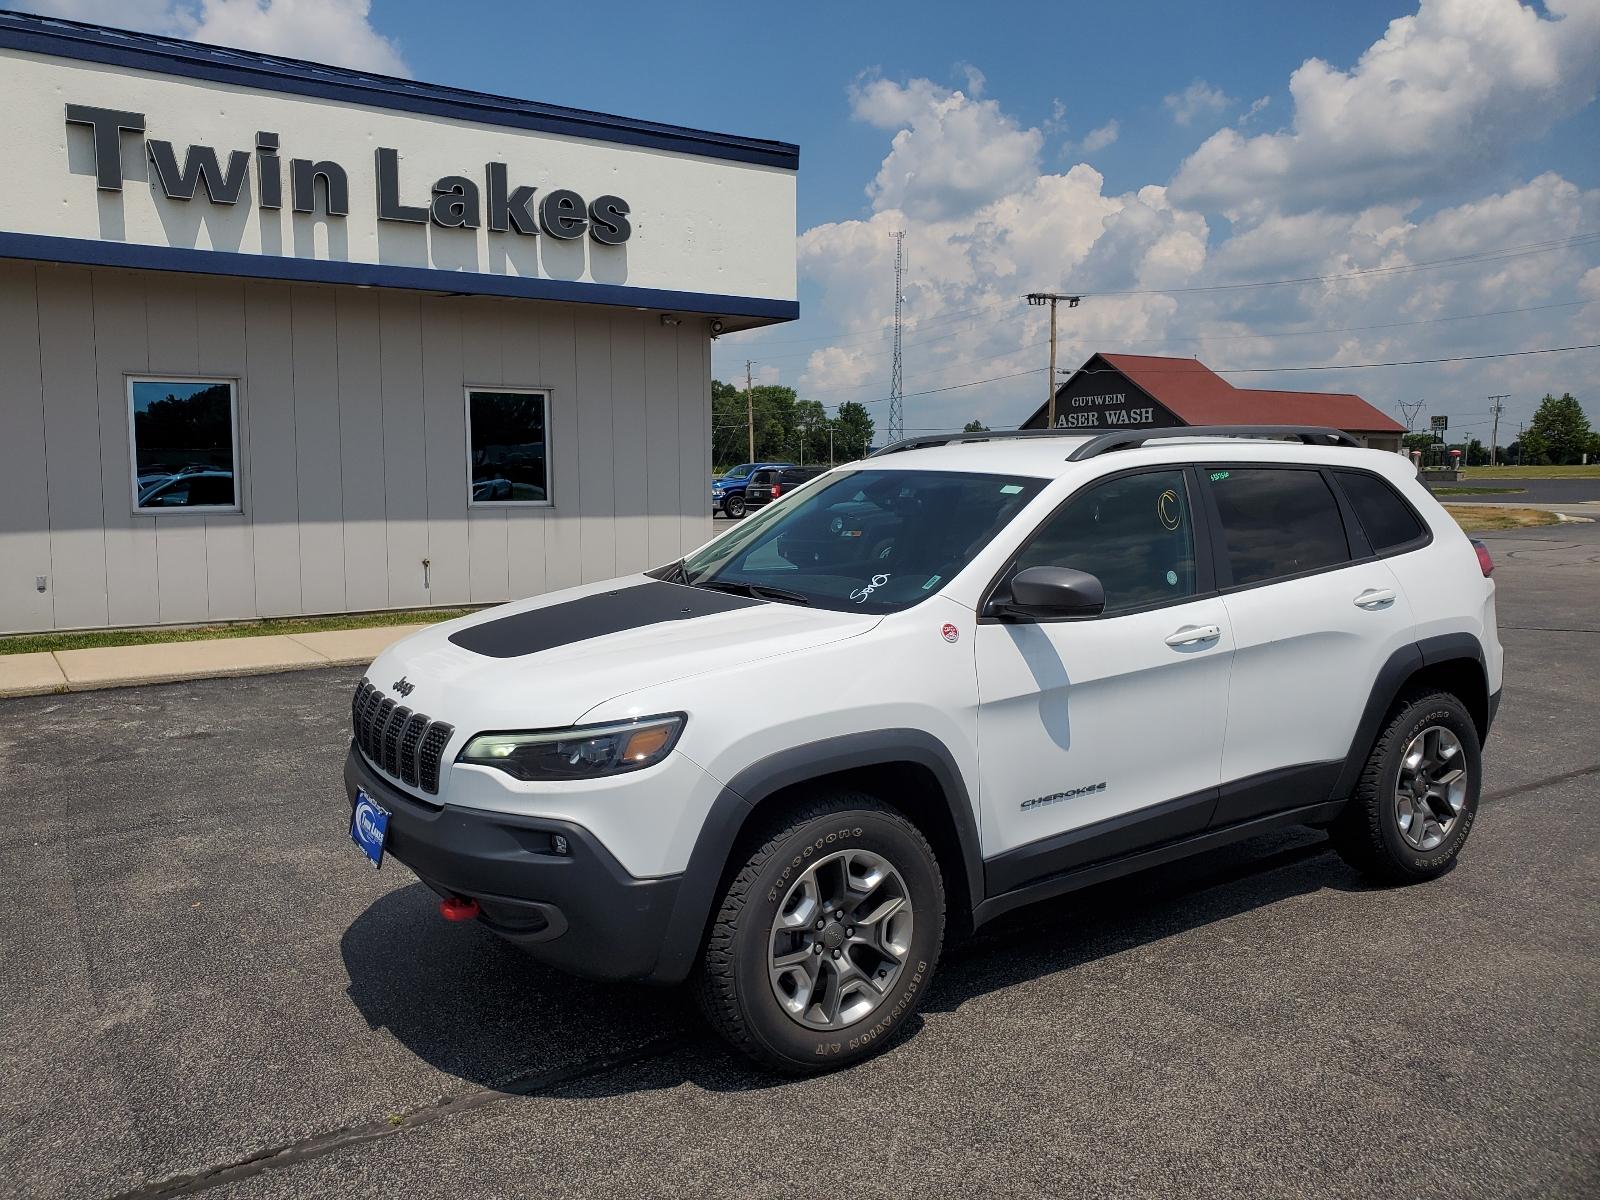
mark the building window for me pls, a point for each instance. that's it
(508, 444)
(185, 444)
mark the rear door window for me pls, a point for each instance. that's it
(1388, 520)
(1277, 522)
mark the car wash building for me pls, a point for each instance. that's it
(278, 338)
(1140, 391)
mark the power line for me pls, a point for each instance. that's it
(1414, 362)
(1496, 255)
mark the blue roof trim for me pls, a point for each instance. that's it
(194, 60)
(426, 279)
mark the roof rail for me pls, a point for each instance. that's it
(1311, 435)
(987, 435)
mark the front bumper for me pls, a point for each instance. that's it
(580, 912)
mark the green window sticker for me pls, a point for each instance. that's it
(1218, 476)
(1011, 489)
(935, 579)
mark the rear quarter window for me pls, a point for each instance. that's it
(1389, 522)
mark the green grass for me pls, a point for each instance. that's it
(1449, 490)
(1591, 471)
(29, 643)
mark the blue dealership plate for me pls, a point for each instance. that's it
(369, 827)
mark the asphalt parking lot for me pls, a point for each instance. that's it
(204, 989)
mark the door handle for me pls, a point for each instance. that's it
(1374, 598)
(1191, 635)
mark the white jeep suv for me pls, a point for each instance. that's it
(1012, 666)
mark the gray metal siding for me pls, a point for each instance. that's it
(352, 433)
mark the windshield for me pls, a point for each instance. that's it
(869, 540)
(738, 472)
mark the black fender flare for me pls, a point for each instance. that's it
(1401, 666)
(743, 795)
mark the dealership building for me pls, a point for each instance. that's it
(1143, 391)
(278, 338)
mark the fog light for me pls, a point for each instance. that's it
(558, 843)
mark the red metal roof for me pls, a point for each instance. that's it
(1197, 395)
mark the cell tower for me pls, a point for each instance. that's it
(897, 404)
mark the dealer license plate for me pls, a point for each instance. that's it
(369, 827)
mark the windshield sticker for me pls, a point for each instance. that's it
(1218, 476)
(861, 593)
(1172, 579)
(1011, 489)
(935, 579)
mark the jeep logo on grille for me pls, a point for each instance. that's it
(403, 687)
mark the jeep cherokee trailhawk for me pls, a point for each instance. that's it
(1014, 665)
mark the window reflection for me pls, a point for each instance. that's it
(183, 444)
(508, 445)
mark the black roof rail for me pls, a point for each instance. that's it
(987, 435)
(1311, 435)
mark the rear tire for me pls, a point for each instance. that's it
(827, 938)
(734, 507)
(1417, 797)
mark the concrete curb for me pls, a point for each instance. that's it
(46, 672)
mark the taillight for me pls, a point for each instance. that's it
(1485, 563)
(777, 491)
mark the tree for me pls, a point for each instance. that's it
(974, 426)
(1417, 441)
(852, 432)
(810, 433)
(1561, 429)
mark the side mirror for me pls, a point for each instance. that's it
(1053, 594)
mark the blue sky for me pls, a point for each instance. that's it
(1096, 147)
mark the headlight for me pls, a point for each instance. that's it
(580, 752)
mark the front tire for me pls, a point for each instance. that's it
(827, 938)
(1417, 797)
(734, 507)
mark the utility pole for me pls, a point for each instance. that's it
(897, 413)
(749, 409)
(830, 443)
(1497, 405)
(1051, 298)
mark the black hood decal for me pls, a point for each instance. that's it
(594, 616)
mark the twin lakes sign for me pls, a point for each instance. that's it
(456, 201)
(159, 165)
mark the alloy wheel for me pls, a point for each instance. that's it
(840, 939)
(1432, 787)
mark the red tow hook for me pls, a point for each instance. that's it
(458, 908)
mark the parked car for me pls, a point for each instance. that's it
(770, 483)
(728, 491)
(1013, 667)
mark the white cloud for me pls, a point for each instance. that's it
(951, 153)
(1099, 139)
(1440, 96)
(1199, 99)
(972, 254)
(338, 32)
(1255, 107)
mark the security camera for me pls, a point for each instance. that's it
(716, 328)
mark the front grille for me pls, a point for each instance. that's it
(399, 742)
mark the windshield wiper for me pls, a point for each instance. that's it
(759, 591)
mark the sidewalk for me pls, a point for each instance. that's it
(169, 662)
